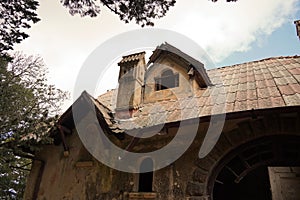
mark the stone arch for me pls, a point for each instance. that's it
(287, 124)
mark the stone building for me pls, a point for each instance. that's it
(257, 150)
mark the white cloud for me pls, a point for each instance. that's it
(222, 28)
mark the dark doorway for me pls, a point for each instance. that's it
(146, 179)
(243, 173)
(254, 186)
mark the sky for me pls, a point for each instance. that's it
(230, 33)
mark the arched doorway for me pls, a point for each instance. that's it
(244, 172)
(146, 178)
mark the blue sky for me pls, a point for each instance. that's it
(282, 42)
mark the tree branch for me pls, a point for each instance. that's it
(111, 9)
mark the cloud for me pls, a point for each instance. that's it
(224, 28)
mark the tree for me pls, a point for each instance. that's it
(28, 108)
(141, 11)
(13, 175)
(15, 16)
(18, 15)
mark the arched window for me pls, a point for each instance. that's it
(167, 80)
(146, 179)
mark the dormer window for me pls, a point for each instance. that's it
(167, 80)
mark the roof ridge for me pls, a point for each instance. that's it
(255, 61)
(134, 54)
(107, 91)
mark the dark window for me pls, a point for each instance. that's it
(167, 80)
(146, 179)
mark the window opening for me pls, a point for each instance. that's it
(167, 80)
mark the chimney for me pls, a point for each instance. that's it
(131, 81)
(297, 23)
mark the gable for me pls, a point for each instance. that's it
(186, 61)
(167, 79)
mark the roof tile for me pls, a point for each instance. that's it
(251, 85)
(252, 104)
(297, 77)
(263, 93)
(205, 111)
(289, 89)
(265, 70)
(250, 78)
(291, 65)
(295, 71)
(241, 95)
(229, 107)
(296, 87)
(233, 88)
(243, 74)
(240, 105)
(277, 74)
(277, 101)
(267, 75)
(210, 101)
(265, 83)
(217, 91)
(242, 86)
(230, 97)
(243, 79)
(258, 71)
(292, 99)
(274, 92)
(250, 72)
(259, 77)
(202, 101)
(234, 81)
(174, 115)
(264, 103)
(251, 94)
(218, 108)
(206, 93)
(285, 80)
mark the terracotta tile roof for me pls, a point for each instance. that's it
(267, 83)
(132, 57)
(108, 99)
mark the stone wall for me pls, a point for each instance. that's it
(79, 176)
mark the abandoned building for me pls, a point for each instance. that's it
(257, 154)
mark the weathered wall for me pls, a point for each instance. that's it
(79, 176)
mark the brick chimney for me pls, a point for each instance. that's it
(131, 81)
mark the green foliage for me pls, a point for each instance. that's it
(15, 16)
(28, 106)
(13, 170)
(141, 11)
